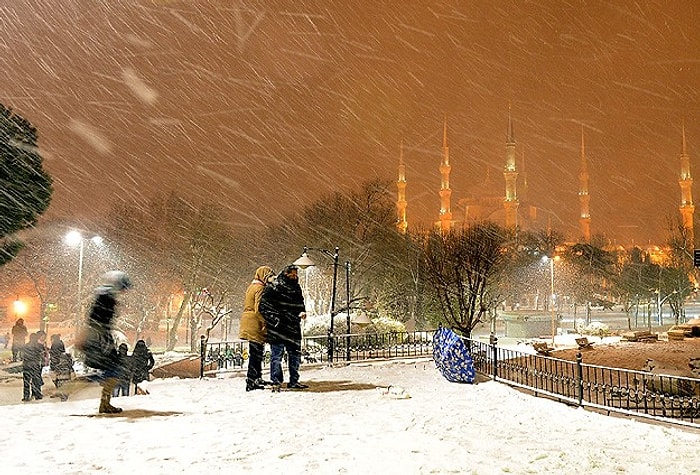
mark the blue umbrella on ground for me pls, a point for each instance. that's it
(452, 357)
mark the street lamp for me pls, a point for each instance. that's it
(347, 301)
(74, 238)
(305, 261)
(552, 296)
(19, 308)
(361, 320)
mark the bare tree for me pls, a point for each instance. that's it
(681, 273)
(464, 268)
(178, 246)
(362, 224)
(216, 307)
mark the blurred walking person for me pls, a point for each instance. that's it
(253, 327)
(97, 342)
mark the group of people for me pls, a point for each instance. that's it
(35, 356)
(134, 368)
(273, 310)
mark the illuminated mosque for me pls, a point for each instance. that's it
(506, 202)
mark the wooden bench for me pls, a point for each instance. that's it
(641, 335)
(583, 343)
(543, 348)
(674, 334)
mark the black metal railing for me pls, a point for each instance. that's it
(673, 399)
(346, 347)
(226, 354)
(367, 346)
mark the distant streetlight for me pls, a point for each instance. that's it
(305, 261)
(347, 300)
(74, 238)
(19, 307)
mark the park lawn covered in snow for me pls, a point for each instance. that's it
(346, 422)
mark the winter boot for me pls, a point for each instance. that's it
(107, 388)
(251, 385)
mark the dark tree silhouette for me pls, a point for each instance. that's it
(26, 187)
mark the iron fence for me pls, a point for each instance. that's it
(673, 399)
(347, 347)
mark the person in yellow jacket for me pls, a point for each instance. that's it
(253, 327)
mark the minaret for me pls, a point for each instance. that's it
(445, 219)
(685, 181)
(583, 196)
(402, 223)
(523, 174)
(511, 175)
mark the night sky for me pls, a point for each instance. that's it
(263, 107)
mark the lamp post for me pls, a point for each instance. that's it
(347, 300)
(74, 238)
(551, 299)
(361, 320)
(305, 261)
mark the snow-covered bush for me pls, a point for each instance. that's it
(383, 324)
(596, 329)
(317, 325)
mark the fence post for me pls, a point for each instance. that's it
(493, 340)
(579, 377)
(202, 355)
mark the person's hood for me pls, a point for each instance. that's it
(264, 273)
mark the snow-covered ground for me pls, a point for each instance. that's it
(347, 422)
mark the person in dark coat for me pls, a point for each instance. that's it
(142, 362)
(98, 343)
(282, 306)
(55, 351)
(125, 371)
(19, 338)
(32, 363)
(253, 327)
(60, 362)
(41, 338)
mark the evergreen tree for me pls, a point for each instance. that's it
(25, 186)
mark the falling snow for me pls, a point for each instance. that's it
(225, 100)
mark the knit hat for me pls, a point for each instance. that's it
(116, 280)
